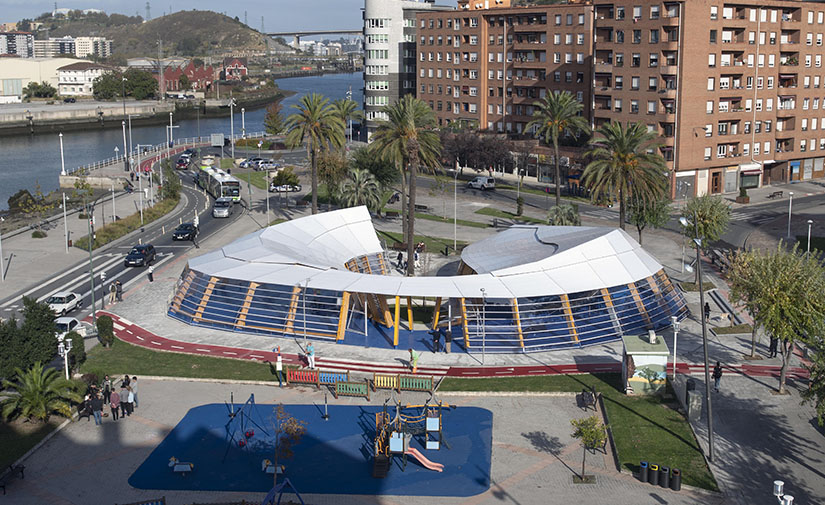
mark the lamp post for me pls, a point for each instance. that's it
(243, 123)
(349, 98)
(790, 208)
(125, 148)
(117, 153)
(232, 127)
(64, 346)
(266, 194)
(779, 493)
(455, 208)
(809, 235)
(675, 322)
(483, 324)
(140, 180)
(123, 94)
(62, 159)
(698, 243)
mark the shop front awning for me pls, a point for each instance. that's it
(750, 169)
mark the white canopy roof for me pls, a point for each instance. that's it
(518, 262)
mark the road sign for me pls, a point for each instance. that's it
(217, 139)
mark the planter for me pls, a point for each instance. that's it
(743, 199)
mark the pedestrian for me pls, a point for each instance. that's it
(130, 401)
(151, 273)
(311, 356)
(123, 395)
(107, 389)
(119, 290)
(416, 259)
(125, 381)
(97, 409)
(279, 369)
(414, 360)
(436, 338)
(717, 376)
(195, 239)
(134, 386)
(132, 176)
(112, 293)
(114, 404)
(400, 260)
(772, 349)
(707, 311)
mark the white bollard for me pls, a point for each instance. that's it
(180, 220)
(140, 240)
(163, 230)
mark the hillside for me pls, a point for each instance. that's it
(184, 33)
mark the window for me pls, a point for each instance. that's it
(712, 60)
(557, 76)
(714, 12)
(581, 19)
(634, 106)
(653, 60)
(580, 58)
(618, 60)
(769, 104)
(654, 36)
(654, 12)
(808, 60)
(635, 60)
(618, 82)
(770, 82)
(634, 83)
(568, 77)
(804, 126)
(769, 125)
(707, 153)
(568, 38)
(617, 105)
(710, 83)
(721, 150)
(724, 83)
(713, 36)
(620, 36)
(756, 149)
(809, 39)
(619, 12)
(709, 107)
(749, 82)
(651, 107)
(637, 12)
(580, 39)
(758, 105)
(747, 128)
(569, 19)
(568, 57)
(723, 128)
(637, 36)
(805, 103)
(757, 127)
(759, 82)
(556, 38)
(558, 19)
(746, 149)
(652, 83)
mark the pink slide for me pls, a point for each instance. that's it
(438, 467)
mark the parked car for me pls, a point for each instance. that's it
(64, 302)
(250, 162)
(189, 152)
(65, 325)
(482, 182)
(223, 207)
(69, 99)
(185, 231)
(182, 163)
(284, 188)
(268, 165)
(140, 256)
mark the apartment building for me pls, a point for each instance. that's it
(20, 44)
(97, 46)
(54, 47)
(732, 89)
(389, 53)
(77, 79)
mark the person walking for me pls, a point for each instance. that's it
(97, 409)
(311, 356)
(119, 290)
(707, 311)
(416, 259)
(717, 376)
(436, 338)
(134, 386)
(414, 355)
(279, 369)
(114, 404)
(124, 397)
(772, 349)
(107, 389)
(151, 273)
(112, 293)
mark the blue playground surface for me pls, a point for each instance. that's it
(334, 456)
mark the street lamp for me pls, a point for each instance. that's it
(232, 126)
(62, 159)
(455, 208)
(243, 123)
(483, 324)
(117, 153)
(64, 346)
(123, 94)
(790, 208)
(125, 148)
(779, 493)
(809, 235)
(698, 244)
(140, 179)
(674, 321)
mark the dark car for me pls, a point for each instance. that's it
(69, 100)
(185, 231)
(140, 256)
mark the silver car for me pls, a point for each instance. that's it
(222, 207)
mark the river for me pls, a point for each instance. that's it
(26, 161)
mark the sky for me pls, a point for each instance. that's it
(279, 15)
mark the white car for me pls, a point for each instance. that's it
(268, 165)
(482, 182)
(64, 302)
(65, 325)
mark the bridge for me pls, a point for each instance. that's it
(297, 34)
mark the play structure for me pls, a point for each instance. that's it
(393, 436)
(317, 377)
(241, 421)
(180, 467)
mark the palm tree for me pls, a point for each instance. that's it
(361, 188)
(317, 124)
(622, 165)
(558, 115)
(347, 109)
(38, 393)
(409, 138)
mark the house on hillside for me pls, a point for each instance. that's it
(77, 79)
(234, 69)
(200, 77)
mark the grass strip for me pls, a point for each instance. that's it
(432, 244)
(645, 428)
(460, 222)
(114, 231)
(18, 437)
(490, 211)
(693, 287)
(258, 179)
(733, 330)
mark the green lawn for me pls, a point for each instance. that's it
(227, 163)
(258, 179)
(433, 244)
(323, 195)
(645, 428)
(125, 358)
(17, 437)
(733, 330)
(694, 287)
(460, 222)
(490, 211)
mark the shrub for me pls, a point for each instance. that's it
(743, 192)
(78, 353)
(113, 231)
(519, 206)
(105, 330)
(38, 234)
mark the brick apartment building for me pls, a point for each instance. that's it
(733, 89)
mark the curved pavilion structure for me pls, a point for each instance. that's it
(525, 289)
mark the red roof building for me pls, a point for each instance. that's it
(234, 69)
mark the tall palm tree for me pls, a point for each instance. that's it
(347, 109)
(622, 165)
(38, 393)
(558, 115)
(317, 125)
(409, 137)
(361, 188)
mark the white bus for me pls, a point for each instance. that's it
(219, 184)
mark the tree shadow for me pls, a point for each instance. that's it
(551, 445)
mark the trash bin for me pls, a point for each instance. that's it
(690, 385)
(664, 477)
(643, 471)
(448, 341)
(676, 480)
(653, 475)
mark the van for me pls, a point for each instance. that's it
(482, 182)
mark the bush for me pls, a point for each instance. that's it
(114, 231)
(78, 353)
(743, 192)
(519, 206)
(105, 330)
(38, 234)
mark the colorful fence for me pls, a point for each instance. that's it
(400, 382)
(317, 377)
(360, 389)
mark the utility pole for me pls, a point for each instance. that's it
(160, 70)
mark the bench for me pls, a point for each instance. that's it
(10, 472)
(720, 259)
(422, 208)
(775, 194)
(391, 214)
(399, 246)
(589, 397)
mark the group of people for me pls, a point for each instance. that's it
(115, 292)
(401, 263)
(121, 402)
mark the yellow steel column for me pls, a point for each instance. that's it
(436, 312)
(464, 323)
(518, 323)
(250, 293)
(397, 321)
(293, 306)
(660, 299)
(205, 298)
(639, 304)
(568, 314)
(409, 312)
(342, 317)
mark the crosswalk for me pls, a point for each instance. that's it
(745, 216)
(607, 214)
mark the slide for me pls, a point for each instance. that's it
(438, 467)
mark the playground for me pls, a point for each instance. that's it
(227, 447)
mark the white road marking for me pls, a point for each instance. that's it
(156, 343)
(84, 279)
(232, 353)
(176, 347)
(471, 373)
(139, 337)
(202, 350)
(255, 356)
(118, 327)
